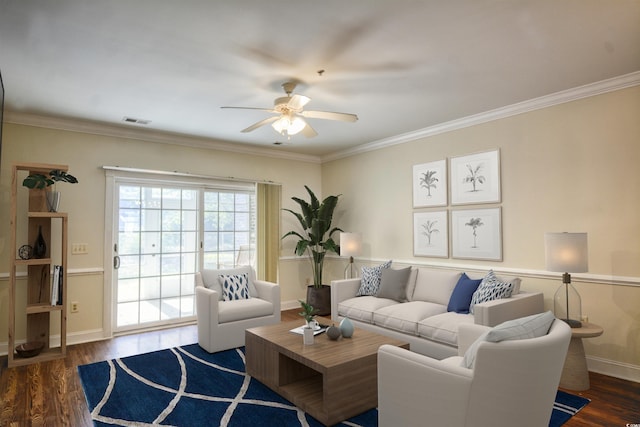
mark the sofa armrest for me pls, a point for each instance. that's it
(206, 306)
(413, 388)
(492, 313)
(468, 333)
(342, 290)
(269, 291)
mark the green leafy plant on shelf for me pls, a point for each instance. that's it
(41, 181)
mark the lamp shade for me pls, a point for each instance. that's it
(350, 244)
(566, 252)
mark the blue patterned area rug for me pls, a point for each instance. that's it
(188, 387)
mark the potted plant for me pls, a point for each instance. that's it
(41, 181)
(315, 241)
(307, 313)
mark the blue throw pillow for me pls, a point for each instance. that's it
(462, 294)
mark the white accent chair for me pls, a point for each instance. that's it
(222, 324)
(512, 383)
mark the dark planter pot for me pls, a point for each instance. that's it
(320, 299)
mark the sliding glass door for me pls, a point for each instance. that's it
(165, 233)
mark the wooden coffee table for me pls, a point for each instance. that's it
(330, 380)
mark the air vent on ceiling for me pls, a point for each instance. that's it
(136, 121)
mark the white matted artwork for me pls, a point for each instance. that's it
(475, 178)
(477, 234)
(430, 184)
(431, 234)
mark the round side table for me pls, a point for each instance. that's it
(575, 375)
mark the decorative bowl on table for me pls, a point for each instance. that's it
(29, 349)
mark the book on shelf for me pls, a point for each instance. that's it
(56, 285)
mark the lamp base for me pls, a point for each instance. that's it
(573, 323)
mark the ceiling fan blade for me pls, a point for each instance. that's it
(308, 131)
(297, 102)
(271, 110)
(260, 123)
(328, 115)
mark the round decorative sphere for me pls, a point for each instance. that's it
(333, 332)
(346, 327)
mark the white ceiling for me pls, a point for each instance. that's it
(401, 66)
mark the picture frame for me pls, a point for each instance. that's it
(477, 234)
(430, 184)
(475, 178)
(431, 234)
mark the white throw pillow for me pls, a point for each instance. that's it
(370, 282)
(534, 326)
(234, 286)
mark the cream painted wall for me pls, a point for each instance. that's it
(85, 154)
(570, 167)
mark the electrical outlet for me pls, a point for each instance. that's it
(75, 306)
(584, 318)
(79, 248)
(307, 281)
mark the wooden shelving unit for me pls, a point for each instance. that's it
(38, 312)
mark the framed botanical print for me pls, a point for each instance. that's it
(430, 234)
(475, 178)
(430, 184)
(477, 234)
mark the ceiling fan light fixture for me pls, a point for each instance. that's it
(287, 125)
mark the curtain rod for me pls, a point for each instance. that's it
(188, 174)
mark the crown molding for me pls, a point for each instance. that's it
(586, 91)
(75, 125)
(95, 128)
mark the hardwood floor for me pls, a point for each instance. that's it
(50, 393)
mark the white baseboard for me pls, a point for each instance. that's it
(72, 338)
(289, 305)
(625, 371)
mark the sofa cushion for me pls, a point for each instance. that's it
(370, 282)
(210, 279)
(232, 311)
(534, 326)
(393, 284)
(443, 328)
(362, 308)
(462, 294)
(490, 289)
(405, 317)
(234, 286)
(435, 285)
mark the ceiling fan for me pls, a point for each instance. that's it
(290, 114)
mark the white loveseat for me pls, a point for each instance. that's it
(422, 319)
(222, 324)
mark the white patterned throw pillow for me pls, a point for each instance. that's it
(490, 289)
(234, 286)
(370, 282)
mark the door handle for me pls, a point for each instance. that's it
(116, 262)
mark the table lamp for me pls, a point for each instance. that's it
(567, 252)
(350, 245)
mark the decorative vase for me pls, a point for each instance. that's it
(333, 332)
(39, 247)
(346, 328)
(307, 336)
(53, 200)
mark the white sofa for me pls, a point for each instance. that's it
(511, 383)
(423, 320)
(222, 324)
